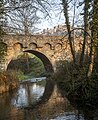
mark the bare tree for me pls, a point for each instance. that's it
(94, 40)
(86, 7)
(25, 13)
(23, 20)
(65, 6)
(94, 28)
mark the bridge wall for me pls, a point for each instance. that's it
(49, 49)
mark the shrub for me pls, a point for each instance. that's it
(8, 81)
(72, 80)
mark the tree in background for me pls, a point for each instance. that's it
(88, 7)
(24, 19)
(24, 15)
(94, 41)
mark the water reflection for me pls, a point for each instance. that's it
(70, 116)
(27, 94)
(50, 104)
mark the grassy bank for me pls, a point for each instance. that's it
(8, 81)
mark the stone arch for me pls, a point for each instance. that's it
(58, 46)
(18, 46)
(47, 64)
(33, 45)
(48, 46)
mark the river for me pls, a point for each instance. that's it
(39, 100)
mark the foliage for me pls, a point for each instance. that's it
(90, 26)
(21, 75)
(8, 76)
(27, 66)
(8, 81)
(79, 80)
(76, 87)
(95, 26)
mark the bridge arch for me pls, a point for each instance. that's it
(33, 45)
(18, 44)
(58, 46)
(18, 47)
(47, 64)
(48, 46)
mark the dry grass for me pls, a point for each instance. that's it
(8, 81)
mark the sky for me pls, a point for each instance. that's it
(57, 15)
(51, 23)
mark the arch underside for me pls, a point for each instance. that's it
(47, 64)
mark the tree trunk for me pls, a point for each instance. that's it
(86, 2)
(73, 24)
(94, 52)
(65, 6)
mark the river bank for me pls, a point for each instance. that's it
(76, 86)
(8, 81)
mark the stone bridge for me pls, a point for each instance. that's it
(50, 49)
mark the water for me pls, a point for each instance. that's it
(37, 101)
(27, 94)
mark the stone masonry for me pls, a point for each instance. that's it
(50, 49)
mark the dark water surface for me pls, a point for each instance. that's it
(37, 101)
